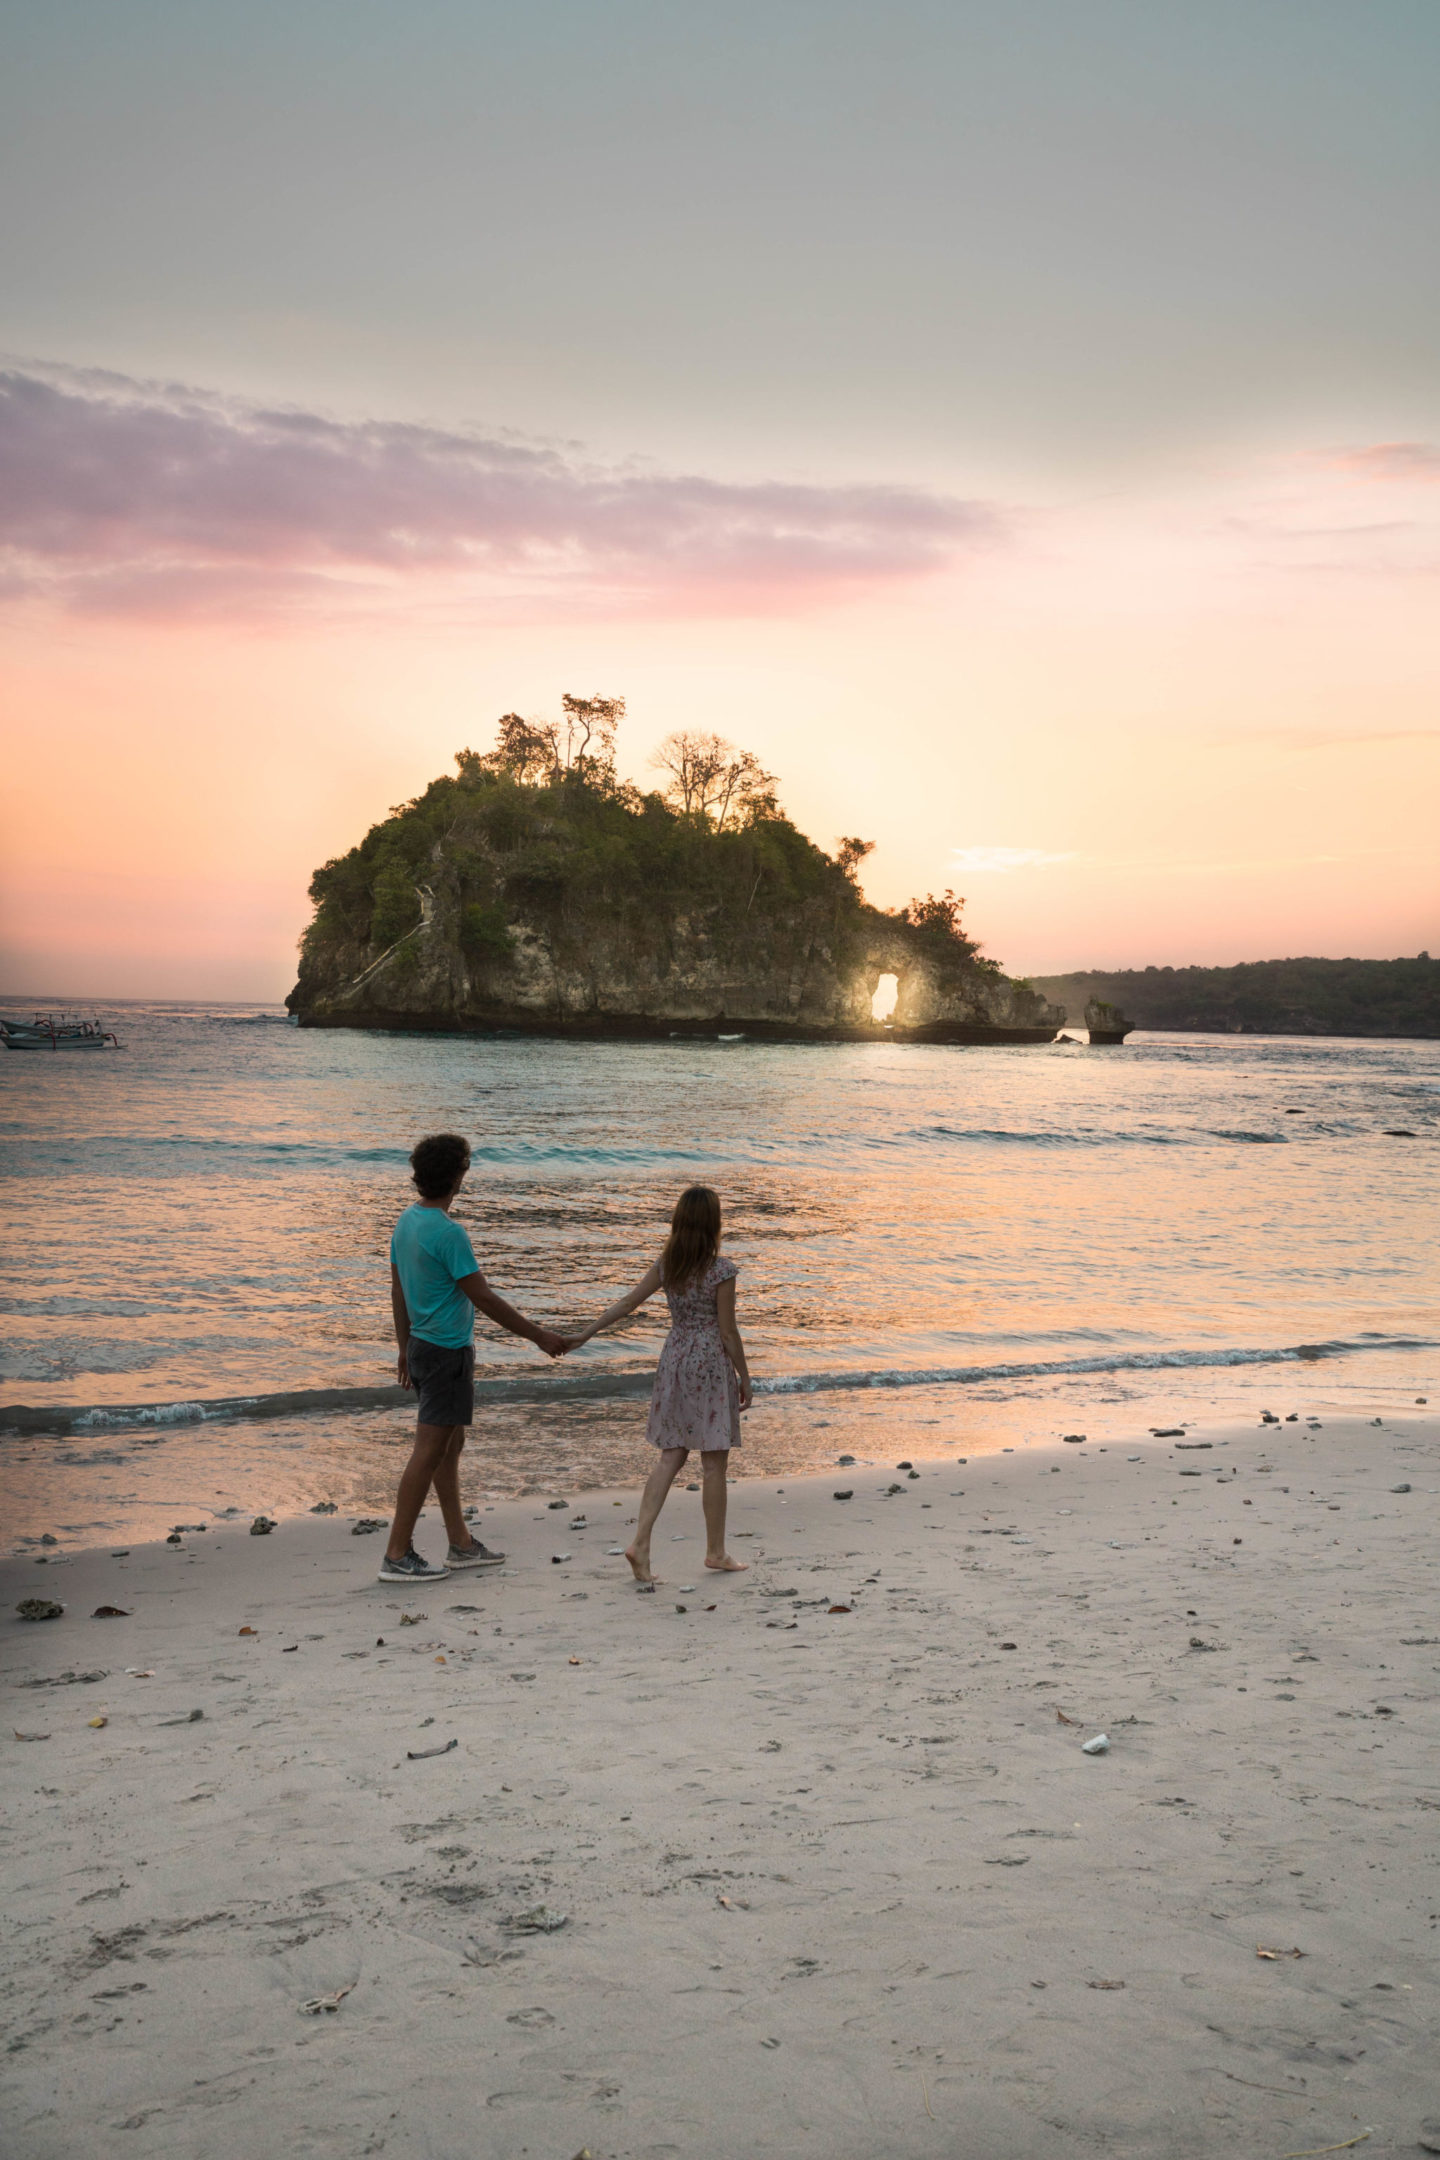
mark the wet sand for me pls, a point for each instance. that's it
(836, 1883)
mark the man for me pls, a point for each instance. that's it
(436, 1288)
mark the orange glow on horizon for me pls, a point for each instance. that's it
(1164, 731)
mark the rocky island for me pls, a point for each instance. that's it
(536, 890)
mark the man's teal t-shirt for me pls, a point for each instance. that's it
(433, 1254)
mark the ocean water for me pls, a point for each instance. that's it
(942, 1250)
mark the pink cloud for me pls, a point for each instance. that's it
(1394, 461)
(127, 498)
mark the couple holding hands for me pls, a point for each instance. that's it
(436, 1288)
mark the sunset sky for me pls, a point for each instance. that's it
(1019, 424)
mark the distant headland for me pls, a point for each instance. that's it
(536, 890)
(1269, 997)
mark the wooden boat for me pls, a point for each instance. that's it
(56, 1031)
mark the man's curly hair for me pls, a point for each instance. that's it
(438, 1162)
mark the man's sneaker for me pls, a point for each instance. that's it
(410, 1569)
(473, 1555)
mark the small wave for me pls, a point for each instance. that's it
(170, 1413)
(210, 1410)
(1082, 1138)
(1039, 1369)
(1086, 1138)
(530, 1151)
(114, 1308)
(19, 1418)
(214, 1144)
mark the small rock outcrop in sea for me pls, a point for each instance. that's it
(1106, 1023)
(536, 890)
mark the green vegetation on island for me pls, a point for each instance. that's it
(536, 887)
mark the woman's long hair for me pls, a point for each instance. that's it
(694, 1237)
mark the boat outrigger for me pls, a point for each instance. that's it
(57, 1031)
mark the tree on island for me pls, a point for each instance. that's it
(940, 917)
(850, 853)
(533, 751)
(711, 779)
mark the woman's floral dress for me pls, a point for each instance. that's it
(696, 1399)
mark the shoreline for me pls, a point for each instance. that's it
(68, 1493)
(600, 1381)
(598, 1027)
(71, 1491)
(842, 1878)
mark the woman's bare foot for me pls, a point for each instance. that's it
(640, 1566)
(728, 1566)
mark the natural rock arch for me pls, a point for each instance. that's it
(892, 952)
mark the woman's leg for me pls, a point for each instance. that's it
(713, 1464)
(657, 1485)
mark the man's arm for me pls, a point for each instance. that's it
(495, 1308)
(401, 1314)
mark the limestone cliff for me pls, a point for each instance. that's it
(577, 905)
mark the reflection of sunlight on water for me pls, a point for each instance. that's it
(891, 1207)
(886, 998)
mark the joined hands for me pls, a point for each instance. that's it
(557, 1346)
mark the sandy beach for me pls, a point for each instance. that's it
(836, 1876)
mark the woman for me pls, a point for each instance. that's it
(702, 1382)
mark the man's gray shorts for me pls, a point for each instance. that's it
(444, 1381)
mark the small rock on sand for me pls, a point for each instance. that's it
(539, 1920)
